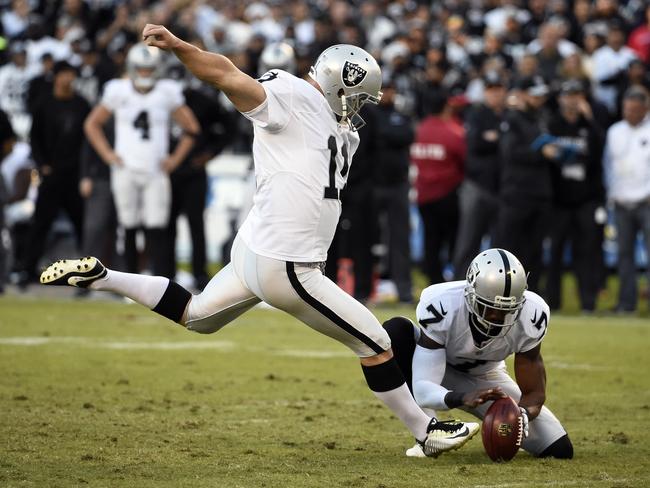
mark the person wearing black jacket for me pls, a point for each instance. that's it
(189, 181)
(100, 219)
(350, 254)
(7, 141)
(394, 135)
(478, 194)
(525, 183)
(56, 138)
(578, 194)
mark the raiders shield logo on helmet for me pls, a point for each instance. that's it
(353, 74)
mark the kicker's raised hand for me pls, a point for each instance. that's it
(158, 36)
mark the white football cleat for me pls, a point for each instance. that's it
(73, 272)
(446, 435)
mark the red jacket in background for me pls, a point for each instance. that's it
(639, 41)
(439, 154)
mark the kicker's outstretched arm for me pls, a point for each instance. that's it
(243, 91)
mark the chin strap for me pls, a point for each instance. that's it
(344, 107)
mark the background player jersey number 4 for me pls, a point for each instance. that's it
(141, 123)
(331, 191)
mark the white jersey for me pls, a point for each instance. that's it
(142, 121)
(18, 159)
(14, 83)
(302, 159)
(444, 317)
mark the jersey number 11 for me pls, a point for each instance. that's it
(331, 191)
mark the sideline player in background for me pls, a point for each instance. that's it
(305, 136)
(140, 162)
(468, 328)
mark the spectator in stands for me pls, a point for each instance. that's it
(581, 16)
(7, 141)
(438, 152)
(56, 139)
(478, 194)
(14, 83)
(578, 195)
(627, 182)
(610, 64)
(550, 49)
(606, 13)
(639, 39)
(591, 43)
(538, 15)
(16, 170)
(15, 21)
(41, 85)
(350, 256)
(525, 187)
(636, 75)
(100, 220)
(394, 135)
(92, 74)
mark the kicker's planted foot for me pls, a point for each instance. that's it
(445, 435)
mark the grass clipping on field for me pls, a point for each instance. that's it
(104, 394)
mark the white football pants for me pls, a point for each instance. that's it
(141, 198)
(299, 289)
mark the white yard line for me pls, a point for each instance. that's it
(576, 366)
(587, 482)
(225, 346)
(310, 353)
(86, 342)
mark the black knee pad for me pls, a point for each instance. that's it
(560, 449)
(173, 302)
(383, 377)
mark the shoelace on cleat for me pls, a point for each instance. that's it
(448, 426)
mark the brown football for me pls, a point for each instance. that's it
(502, 430)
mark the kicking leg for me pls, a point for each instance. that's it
(223, 300)
(308, 295)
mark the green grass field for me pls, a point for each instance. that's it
(108, 394)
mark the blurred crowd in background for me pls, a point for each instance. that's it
(521, 122)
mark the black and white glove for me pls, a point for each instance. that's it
(524, 421)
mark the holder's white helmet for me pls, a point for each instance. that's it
(278, 55)
(349, 78)
(142, 56)
(494, 294)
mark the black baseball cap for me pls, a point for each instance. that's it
(571, 86)
(636, 93)
(534, 86)
(63, 65)
(17, 47)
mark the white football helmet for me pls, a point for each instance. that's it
(494, 294)
(278, 55)
(349, 78)
(142, 56)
